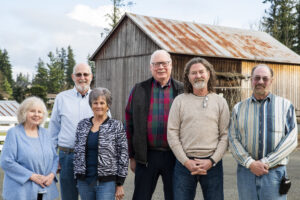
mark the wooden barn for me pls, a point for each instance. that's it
(123, 57)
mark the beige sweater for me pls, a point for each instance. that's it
(194, 131)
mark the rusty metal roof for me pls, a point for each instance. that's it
(209, 40)
(8, 108)
(215, 41)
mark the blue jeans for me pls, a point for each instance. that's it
(185, 184)
(266, 187)
(159, 163)
(97, 191)
(68, 189)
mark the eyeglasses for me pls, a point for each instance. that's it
(257, 79)
(82, 74)
(164, 64)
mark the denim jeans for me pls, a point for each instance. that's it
(97, 191)
(266, 187)
(185, 184)
(159, 163)
(68, 187)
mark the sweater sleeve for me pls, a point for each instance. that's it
(174, 132)
(9, 156)
(223, 131)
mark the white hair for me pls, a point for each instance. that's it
(75, 67)
(159, 52)
(29, 103)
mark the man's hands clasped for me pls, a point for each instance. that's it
(198, 166)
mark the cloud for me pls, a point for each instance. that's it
(93, 17)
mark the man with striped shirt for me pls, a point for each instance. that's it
(147, 113)
(262, 134)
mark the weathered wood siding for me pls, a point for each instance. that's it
(122, 62)
(286, 81)
(220, 65)
(127, 40)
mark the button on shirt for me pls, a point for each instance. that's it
(263, 130)
(69, 108)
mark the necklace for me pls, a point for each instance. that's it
(205, 101)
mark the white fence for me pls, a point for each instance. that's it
(5, 124)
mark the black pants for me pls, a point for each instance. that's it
(40, 197)
(159, 163)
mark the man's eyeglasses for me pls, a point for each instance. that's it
(82, 74)
(257, 79)
(164, 64)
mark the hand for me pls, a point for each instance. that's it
(132, 164)
(119, 192)
(58, 168)
(38, 179)
(48, 179)
(194, 167)
(204, 163)
(259, 168)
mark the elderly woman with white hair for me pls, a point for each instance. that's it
(101, 152)
(28, 158)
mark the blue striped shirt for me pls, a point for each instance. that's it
(263, 130)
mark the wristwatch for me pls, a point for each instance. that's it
(213, 162)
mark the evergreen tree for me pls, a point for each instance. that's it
(280, 21)
(20, 90)
(41, 78)
(56, 75)
(69, 67)
(297, 29)
(93, 68)
(39, 91)
(5, 66)
(116, 14)
(5, 88)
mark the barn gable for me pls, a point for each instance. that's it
(123, 57)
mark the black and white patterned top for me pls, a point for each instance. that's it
(112, 151)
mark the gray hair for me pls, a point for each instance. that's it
(29, 103)
(188, 88)
(159, 52)
(75, 67)
(100, 92)
(262, 65)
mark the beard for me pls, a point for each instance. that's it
(82, 89)
(199, 84)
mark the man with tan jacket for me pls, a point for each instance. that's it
(197, 134)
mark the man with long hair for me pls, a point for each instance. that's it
(197, 134)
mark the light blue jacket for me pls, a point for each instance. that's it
(21, 157)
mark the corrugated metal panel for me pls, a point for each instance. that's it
(214, 41)
(8, 108)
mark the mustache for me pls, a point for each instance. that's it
(262, 85)
(82, 81)
(198, 80)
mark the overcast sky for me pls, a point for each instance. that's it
(31, 28)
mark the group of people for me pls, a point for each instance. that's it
(179, 131)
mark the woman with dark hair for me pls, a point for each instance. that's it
(28, 158)
(101, 152)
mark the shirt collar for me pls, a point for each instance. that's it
(269, 97)
(157, 84)
(80, 95)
